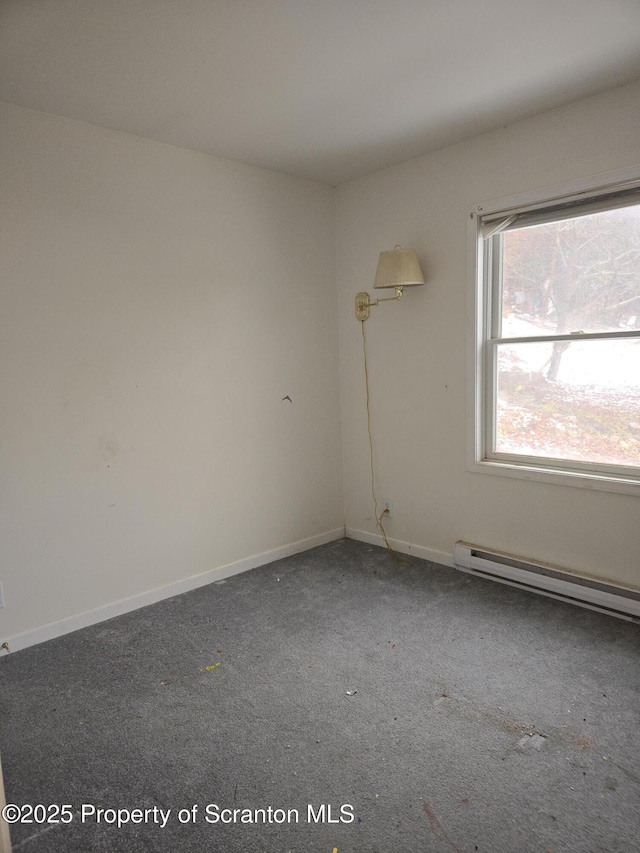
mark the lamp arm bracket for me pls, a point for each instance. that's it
(364, 303)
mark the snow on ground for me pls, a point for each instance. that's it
(603, 364)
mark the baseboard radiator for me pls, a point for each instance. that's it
(548, 580)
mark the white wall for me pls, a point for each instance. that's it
(157, 305)
(418, 348)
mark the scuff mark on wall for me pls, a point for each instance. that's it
(107, 448)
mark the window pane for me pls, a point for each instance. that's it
(580, 274)
(578, 401)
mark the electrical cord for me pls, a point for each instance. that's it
(403, 562)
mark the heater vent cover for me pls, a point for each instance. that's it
(544, 579)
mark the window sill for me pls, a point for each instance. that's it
(580, 479)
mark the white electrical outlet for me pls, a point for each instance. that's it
(1, 595)
(387, 507)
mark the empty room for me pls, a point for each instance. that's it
(320, 431)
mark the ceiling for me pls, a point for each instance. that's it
(325, 89)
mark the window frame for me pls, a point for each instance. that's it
(599, 192)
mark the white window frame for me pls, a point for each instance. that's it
(481, 372)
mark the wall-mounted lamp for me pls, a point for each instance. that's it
(397, 268)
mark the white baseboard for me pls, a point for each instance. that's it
(442, 557)
(107, 611)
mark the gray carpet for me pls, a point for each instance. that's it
(452, 714)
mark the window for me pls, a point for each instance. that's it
(557, 335)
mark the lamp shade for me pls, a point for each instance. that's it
(398, 268)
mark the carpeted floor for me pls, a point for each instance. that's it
(428, 711)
